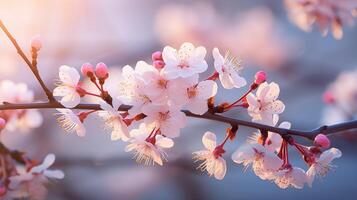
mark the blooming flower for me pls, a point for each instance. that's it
(67, 89)
(264, 162)
(321, 165)
(344, 92)
(274, 140)
(18, 119)
(228, 68)
(156, 82)
(114, 120)
(168, 119)
(291, 176)
(71, 122)
(211, 157)
(265, 105)
(192, 94)
(185, 62)
(131, 89)
(148, 147)
(31, 183)
(325, 13)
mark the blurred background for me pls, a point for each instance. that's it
(123, 32)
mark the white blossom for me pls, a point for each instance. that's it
(148, 150)
(68, 85)
(213, 162)
(265, 104)
(184, 62)
(228, 68)
(70, 122)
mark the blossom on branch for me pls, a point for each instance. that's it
(68, 87)
(264, 106)
(228, 68)
(185, 62)
(211, 158)
(148, 145)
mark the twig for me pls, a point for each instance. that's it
(24, 57)
(327, 130)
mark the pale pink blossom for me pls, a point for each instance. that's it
(264, 162)
(148, 147)
(70, 122)
(185, 62)
(344, 92)
(156, 83)
(228, 68)
(114, 120)
(265, 104)
(211, 158)
(321, 165)
(19, 119)
(68, 85)
(130, 89)
(291, 176)
(169, 119)
(32, 183)
(326, 14)
(193, 95)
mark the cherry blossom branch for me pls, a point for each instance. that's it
(32, 66)
(326, 130)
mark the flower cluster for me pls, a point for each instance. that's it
(155, 95)
(25, 178)
(324, 13)
(22, 120)
(156, 92)
(341, 98)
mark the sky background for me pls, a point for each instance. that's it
(124, 32)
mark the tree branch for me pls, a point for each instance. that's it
(327, 130)
(24, 57)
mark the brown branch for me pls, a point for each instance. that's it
(24, 57)
(327, 130)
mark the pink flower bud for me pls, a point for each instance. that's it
(156, 56)
(2, 123)
(101, 70)
(159, 64)
(36, 43)
(328, 97)
(86, 68)
(260, 77)
(322, 141)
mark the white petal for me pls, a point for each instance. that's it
(62, 91)
(218, 60)
(164, 142)
(209, 140)
(57, 174)
(198, 107)
(207, 89)
(327, 156)
(220, 168)
(48, 161)
(71, 100)
(243, 153)
(252, 101)
(69, 75)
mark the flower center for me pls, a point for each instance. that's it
(191, 92)
(163, 116)
(183, 64)
(162, 83)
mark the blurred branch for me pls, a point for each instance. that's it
(327, 130)
(24, 57)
